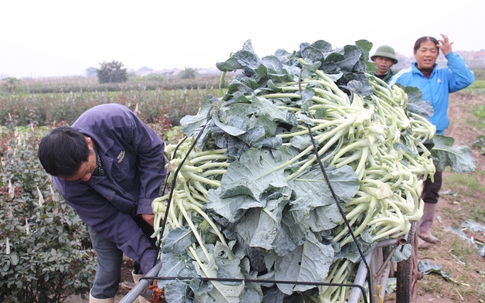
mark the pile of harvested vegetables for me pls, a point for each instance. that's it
(257, 189)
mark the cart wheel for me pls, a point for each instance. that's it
(407, 272)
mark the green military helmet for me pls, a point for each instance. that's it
(385, 51)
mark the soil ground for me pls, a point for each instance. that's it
(459, 201)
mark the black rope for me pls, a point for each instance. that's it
(165, 185)
(169, 202)
(260, 281)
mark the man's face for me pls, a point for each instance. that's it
(383, 65)
(426, 55)
(87, 168)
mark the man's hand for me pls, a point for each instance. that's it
(445, 45)
(149, 218)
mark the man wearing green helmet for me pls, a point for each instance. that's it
(384, 58)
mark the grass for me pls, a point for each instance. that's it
(465, 192)
(466, 183)
(477, 85)
(479, 113)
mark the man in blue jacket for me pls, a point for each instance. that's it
(435, 84)
(109, 167)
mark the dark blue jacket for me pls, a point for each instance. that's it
(132, 156)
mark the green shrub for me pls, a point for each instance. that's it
(112, 72)
(188, 73)
(11, 84)
(45, 249)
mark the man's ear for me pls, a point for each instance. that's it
(89, 141)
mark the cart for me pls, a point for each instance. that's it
(374, 269)
(380, 269)
(377, 266)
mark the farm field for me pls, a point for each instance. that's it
(462, 276)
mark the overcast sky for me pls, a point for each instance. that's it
(50, 38)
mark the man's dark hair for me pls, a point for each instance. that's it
(418, 42)
(62, 151)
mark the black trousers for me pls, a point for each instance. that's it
(431, 189)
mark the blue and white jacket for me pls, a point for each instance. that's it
(436, 89)
(132, 156)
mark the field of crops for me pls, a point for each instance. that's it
(65, 102)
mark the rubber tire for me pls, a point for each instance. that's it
(406, 273)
